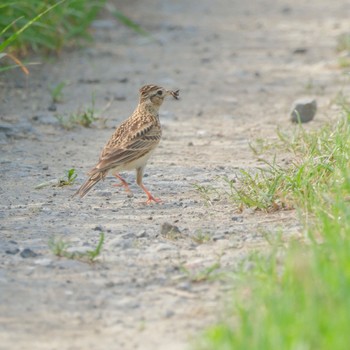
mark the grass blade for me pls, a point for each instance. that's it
(13, 37)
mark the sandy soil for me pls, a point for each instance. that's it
(239, 66)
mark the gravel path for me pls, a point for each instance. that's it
(239, 66)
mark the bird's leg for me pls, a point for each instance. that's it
(150, 198)
(123, 183)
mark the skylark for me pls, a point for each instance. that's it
(132, 143)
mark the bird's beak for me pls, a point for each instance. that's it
(175, 93)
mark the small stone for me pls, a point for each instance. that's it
(119, 97)
(218, 237)
(185, 286)
(168, 228)
(300, 50)
(28, 253)
(169, 313)
(98, 228)
(43, 262)
(120, 242)
(237, 218)
(303, 110)
(52, 108)
(141, 234)
(104, 193)
(12, 251)
(163, 247)
(128, 235)
(171, 232)
(123, 80)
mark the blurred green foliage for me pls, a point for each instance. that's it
(65, 25)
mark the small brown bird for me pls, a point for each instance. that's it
(132, 143)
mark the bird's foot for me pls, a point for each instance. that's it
(151, 199)
(122, 183)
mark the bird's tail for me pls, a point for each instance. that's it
(89, 184)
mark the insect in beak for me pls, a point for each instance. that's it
(175, 93)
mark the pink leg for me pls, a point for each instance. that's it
(123, 183)
(150, 198)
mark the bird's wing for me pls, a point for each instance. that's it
(136, 144)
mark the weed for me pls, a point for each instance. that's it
(344, 62)
(58, 247)
(208, 193)
(84, 117)
(6, 23)
(64, 24)
(260, 146)
(56, 92)
(202, 275)
(70, 178)
(200, 237)
(298, 296)
(61, 248)
(343, 42)
(343, 46)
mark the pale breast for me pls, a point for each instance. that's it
(137, 163)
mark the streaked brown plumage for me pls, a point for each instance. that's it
(132, 143)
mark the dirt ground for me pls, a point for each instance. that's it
(239, 65)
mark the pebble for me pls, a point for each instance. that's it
(28, 253)
(12, 251)
(185, 286)
(169, 229)
(303, 110)
(237, 218)
(120, 242)
(163, 246)
(52, 108)
(103, 193)
(218, 237)
(169, 313)
(141, 234)
(43, 262)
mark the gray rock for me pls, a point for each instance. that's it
(12, 251)
(52, 107)
(28, 253)
(43, 262)
(303, 110)
(169, 313)
(170, 230)
(163, 247)
(141, 234)
(185, 286)
(120, 242)
(218, 237)
(18, 130)
(237, 218)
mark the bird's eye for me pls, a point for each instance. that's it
(160, 92)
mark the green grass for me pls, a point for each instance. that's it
(343, 43)
(83, 117)
(69, 179)
(56, 92)
(298, 296)
(343, 46)
(202, 274)
(65, 24)
(61, 249)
